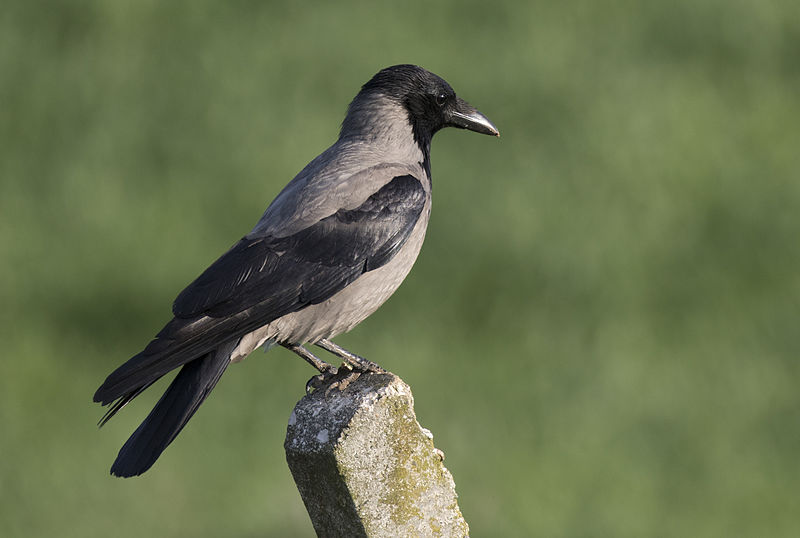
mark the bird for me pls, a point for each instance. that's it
(330, 249)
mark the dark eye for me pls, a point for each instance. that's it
(441, 99)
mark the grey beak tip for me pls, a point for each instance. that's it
(492, 130)
(474, 121)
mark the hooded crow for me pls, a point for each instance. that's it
(329, 250)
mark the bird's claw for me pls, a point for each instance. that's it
(314, 383)
(321, 379)
(345, 380)
(335, 378)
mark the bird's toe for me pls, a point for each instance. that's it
(320, 380)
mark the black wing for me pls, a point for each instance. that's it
(311, 265)
(262, 279)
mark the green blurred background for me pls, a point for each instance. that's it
(602, 328)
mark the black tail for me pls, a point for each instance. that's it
(188, 390)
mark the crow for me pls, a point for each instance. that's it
(332, 247)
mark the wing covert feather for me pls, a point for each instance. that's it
(308, 267)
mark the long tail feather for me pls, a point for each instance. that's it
(183, 397)
(122, 402)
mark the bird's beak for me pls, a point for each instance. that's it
(466, 116)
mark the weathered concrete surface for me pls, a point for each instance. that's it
(365, 467)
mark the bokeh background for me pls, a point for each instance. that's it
(602, 328)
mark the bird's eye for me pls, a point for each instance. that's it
(441, 99)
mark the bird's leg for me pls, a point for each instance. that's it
(310, 358)
(325, 369)
(359, 363)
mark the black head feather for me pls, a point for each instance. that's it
(428, 100)
(423, 94)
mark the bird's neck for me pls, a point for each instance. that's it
(383, 126)
(424, 145)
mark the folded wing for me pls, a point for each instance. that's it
(261, 279)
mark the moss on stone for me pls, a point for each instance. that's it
(376, 456)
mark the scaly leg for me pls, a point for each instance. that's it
(359, 363)
(325, 370)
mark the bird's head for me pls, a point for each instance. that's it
(427, 101)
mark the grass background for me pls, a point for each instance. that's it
(602, 328)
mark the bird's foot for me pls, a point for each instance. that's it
(356, 361)
(333, 379)
(330, 376)
(345, 377)
(322, 379)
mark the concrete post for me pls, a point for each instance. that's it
(365, 467)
